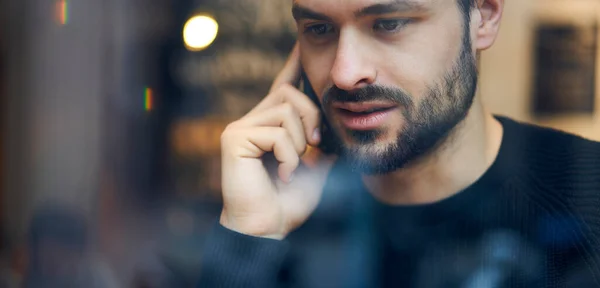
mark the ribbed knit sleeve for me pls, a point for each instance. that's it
(232, 259)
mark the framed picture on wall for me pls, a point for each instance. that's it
(565, 70)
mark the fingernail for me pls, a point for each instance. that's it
(317, 135)
(291, 178)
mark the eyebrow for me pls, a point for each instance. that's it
(395, 6)
(300, 13)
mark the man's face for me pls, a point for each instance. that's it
(394, 76)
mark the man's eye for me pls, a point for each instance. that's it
(389, 26)
(319, 29)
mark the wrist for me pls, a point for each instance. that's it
(259, 231)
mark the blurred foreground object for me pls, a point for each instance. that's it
(59, 252)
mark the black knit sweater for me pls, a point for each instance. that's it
(532, 220)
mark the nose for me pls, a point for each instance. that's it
(352, 68)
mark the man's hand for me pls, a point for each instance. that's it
(256, 202)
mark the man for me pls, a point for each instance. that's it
(428, 190)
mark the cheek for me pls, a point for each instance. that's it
(422, 58)
(317, 65)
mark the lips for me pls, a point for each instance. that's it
(364, 108)
(363, 116)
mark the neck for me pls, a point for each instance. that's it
(464, 157)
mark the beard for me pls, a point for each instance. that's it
(426, 125)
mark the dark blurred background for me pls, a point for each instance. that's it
(111, 113)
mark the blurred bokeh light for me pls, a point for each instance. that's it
(199, 32)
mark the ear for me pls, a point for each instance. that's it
(490, 15)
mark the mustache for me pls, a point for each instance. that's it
(367, 93)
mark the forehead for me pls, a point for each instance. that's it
(351, 6)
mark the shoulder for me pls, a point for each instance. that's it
(561, 172)
(547, 137)
(552, 165)
(549, 152)
(556, 169)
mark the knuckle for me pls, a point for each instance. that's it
(229, 132)
(232, 126)
(286, 88)
(288, 109)
(275, 94)
(280, 134)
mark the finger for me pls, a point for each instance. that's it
(290, 74)
(309, 113)
(261, 140)
(302, 196)
(284, 115)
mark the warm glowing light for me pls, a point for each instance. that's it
(148, 99)
(199, 32)
(62, 11)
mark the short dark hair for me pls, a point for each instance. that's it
(465, 7)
